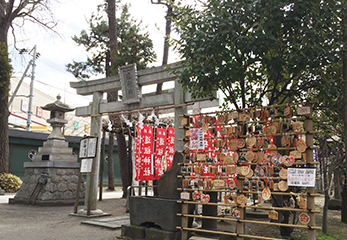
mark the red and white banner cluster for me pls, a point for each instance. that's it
(149, 166)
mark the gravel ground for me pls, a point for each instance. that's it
(19, 221)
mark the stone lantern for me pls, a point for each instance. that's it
(57, 120)
(56, 148)
(55, 160)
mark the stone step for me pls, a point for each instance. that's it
(112, 223)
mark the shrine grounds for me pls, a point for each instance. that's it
(28, 222)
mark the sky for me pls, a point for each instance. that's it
(57, 51)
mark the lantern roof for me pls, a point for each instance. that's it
(58, 105)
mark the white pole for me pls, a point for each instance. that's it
(31, 91)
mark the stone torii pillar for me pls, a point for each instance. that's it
(92, 177)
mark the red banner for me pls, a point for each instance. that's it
(137, 152)
(146, 156)
(160, 146)
(170, 146)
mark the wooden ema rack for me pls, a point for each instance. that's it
(246, 126)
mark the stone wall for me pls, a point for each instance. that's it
(61, 185)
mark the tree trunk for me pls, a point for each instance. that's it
(325, 175)
(111, 96)
(123, 162)
(4, 144)
(337, 185)
(112, 26)
(110, 171)
(344, 77)
(166, 42)
(167, 35)
(325, 208)
(5, 70)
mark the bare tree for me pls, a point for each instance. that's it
(14, 14)
(168, 17)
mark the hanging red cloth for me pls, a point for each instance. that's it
(160, 145)
(146, 170)
(137, 152)
(170, 146)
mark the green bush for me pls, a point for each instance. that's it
(10, 182)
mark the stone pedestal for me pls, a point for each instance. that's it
(61, 186)
(55, 151)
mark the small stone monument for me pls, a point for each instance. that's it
(55, 160)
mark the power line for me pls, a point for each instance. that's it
(53, 65)
(64, 90)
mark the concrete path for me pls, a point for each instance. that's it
(19, 221)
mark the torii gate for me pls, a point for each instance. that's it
(130, 81)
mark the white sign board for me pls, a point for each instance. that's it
(92, 147)
(301, 177)
(83, 148)
(24, 106)
(88, 147)
(86, 165)
(196, 138)
(304, 111)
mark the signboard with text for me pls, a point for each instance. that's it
(301, 177)
(39, 112)
(88, 147)
(86, 165)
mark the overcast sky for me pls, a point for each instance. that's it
(56, 51)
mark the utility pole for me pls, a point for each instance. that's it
(19, 84)
(31, 90)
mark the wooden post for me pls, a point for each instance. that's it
(184, 222)
(146, 188)
(309, 158)
(78, 193)
(210, 210)
(102, 163)
(140, 188)
(240, 226)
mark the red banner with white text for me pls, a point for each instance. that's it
(137, 152)
(147, 167)
(160, 147)
(170, 146)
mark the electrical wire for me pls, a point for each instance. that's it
(52, 65)
(64, 90)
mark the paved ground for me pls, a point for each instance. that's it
(47, 223)
(28, 222)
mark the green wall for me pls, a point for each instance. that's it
(20, 146)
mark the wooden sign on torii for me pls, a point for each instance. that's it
(131, 81)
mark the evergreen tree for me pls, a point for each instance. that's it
(134, 45)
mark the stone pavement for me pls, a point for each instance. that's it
(109, 222)
(20, 221)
